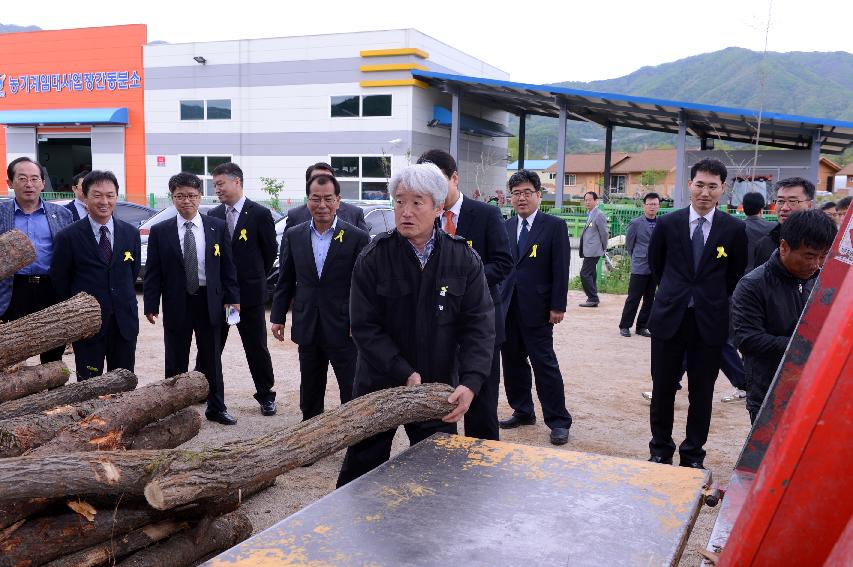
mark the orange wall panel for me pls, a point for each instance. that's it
(105, 49)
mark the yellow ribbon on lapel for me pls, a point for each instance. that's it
(721, 252)
(470, 243)
(243, 235)
(533, 252)
(340, 236)
(128, 257)
(216, 249)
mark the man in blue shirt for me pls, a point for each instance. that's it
(30, 289)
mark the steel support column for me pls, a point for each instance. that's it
(522, 138)
(680, 192)
(814, 162)
(455, 119)
(561, 156)
(608, 157)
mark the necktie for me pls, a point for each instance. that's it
(698, 241)
(231, 220)
(522, 238)
(105, 246)
(190, 258)
(449, 225)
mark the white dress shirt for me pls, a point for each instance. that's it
(82, 211)
(96, 228)
(238, 206)
(529, 224)
(694, 220)
(455, 209)
(198, 233)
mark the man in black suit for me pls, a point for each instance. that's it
(252, 233)
(350, 213)
(316, 269)
(756, 227)
(100, 255)
(535, 293)
(697, 255)
(77, 206)
(481, 226)
(189, 265)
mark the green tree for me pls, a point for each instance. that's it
(273, 187)
(652, 177)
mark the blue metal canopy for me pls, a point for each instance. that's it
(63, 116)
(470, 124)
(702, 120)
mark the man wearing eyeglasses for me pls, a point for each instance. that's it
(189, 266)
(30, 289)
(535, 293)
(792, 194)
(316, 265)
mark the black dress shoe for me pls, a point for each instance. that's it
(222, 417)
(693, 465)
(588, 304)
(559, 436)
(514, 421)
(268, 407)
(644, 333)
(625, 332)
(660, 460)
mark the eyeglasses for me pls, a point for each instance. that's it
(182, 197)
(330, 200)
(23, 179)
(527, 193)
(790, 202)
(710, 187)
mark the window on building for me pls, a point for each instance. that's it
(353, 106)
(618, 183)
(192, 110)
(362, 177)
(219, 109)
(203, 166)
(571, 179)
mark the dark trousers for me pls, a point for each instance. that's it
(207, 341)
(588, 278)
(537, 345)
(108, 344)
(732, 366)
(31, 294)
(253, 335)
(640, 287)
(703, 365)
(365, 456)
(314, 362)
(481, 419)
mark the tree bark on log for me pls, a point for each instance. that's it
(12, 513)
(188, 547)
(16, 252)
(167, 433)
(24, 433)
(32, 379)
(129, 412)
(68, 321)
(120, 380)
(172, 477)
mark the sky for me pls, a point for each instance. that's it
(542, 42)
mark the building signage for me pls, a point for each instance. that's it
(70, 82)
(161, 161)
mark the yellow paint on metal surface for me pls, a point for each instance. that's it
(392, 67)
(392, 52)
(286, 550)
(394, 83)
(396, 496)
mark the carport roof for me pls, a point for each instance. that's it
(703, 120)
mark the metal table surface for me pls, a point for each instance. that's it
(453, 500)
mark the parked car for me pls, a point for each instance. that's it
(133, 213)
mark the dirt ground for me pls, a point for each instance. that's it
(604, 376)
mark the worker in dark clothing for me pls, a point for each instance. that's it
(420, 311)
(792, 194)
(768, 301)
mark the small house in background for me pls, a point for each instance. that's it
(585, 172)
(540, 167)
(846, 186)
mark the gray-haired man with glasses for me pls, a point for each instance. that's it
(792, 194)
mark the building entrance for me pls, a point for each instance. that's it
(64, 157)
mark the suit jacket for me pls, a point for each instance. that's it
(637, 238)
(75, 216)
(594, 235)
(317, 300)
(254, 250)
(481, 225)
(77, 266)
(756, 229)
(541, 274)
(165, 276)
(58, 218)
(721, 266)
(347, 212)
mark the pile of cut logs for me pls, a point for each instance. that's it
(90, 472)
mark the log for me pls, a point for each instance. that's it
(129, 412)
(32, 379)
(16, 252)
(120, 380)
(188, 547)
(169, 478)
(167, 433)
(68, 321)
(12, 513)
(24, 433)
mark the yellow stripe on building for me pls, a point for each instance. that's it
(393, 67)
(394, 83)
(391, 52)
